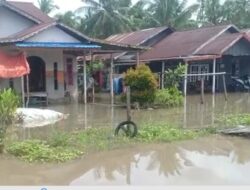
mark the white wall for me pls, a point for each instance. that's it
(11, 23)
(50, 56)
(53, 34)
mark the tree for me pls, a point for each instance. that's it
(107, 17)
(237, 12)
(47, 6)
(69, 18)
(140, 17)
(173, 13)
(211, 12)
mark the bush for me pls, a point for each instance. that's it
(9, 102)
(36, 150)
(143, 84)
(173, 77)
(168, 133)
(169, 97)
(233, 120)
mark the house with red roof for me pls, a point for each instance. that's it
(51, 49)
(214, 49)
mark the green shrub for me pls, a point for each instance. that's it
(59, 139)
(143, 84)
(169, 97)
(168, 133)
(9, 102)
(174, 76)
(232, 120)
(36, 150)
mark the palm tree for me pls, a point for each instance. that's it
(107, 17)
(69, 18)
(47, 6)
(173, 13)
(237, 12)
(140, 17)
(211, 12)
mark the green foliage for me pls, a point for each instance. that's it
(95, 66)
(47, 6)
(9, 102)
(59, 139)
(233, 120)
(2, 136)
(174, 76)
(168, 133)
(61, 147)
(36, 150)
(169, 97)
(142, 83)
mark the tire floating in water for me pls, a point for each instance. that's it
(126, 128)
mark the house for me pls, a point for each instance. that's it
(124, 60)
(51, 49)
(206, 50)
(211, 49)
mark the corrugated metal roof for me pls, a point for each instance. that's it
(184, 43)
(24, 34)
(57, 45)
(137, 37)
(32, 10)
(221, 44)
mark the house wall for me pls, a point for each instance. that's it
(50, 56)
(12, 23)
(53, 34)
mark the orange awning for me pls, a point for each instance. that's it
(13, 65)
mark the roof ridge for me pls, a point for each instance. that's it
(211, 39)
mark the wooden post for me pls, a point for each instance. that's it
(225, 87)
(162, 75)
(111, 79)
(137, 58)
(85, 79)
(93, 87)
(214, 77)
(185, 78)
(28, 91)
(128, 103)
(202, 90)
(23, 92)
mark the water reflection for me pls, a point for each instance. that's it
(219, 162)
(206, 161)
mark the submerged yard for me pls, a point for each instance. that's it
(169, 143)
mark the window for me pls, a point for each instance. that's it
(55, 76)
(198, 69)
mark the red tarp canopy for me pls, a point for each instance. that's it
(13, 65)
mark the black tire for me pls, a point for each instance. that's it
(128, 128)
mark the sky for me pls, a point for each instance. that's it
(71, 5)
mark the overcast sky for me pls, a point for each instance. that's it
(66, 5)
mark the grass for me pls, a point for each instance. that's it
(62, 147)
(233, 120)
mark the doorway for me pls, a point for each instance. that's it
(37, 76)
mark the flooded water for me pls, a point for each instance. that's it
(192, 115)
(206, 161)
(216, 160)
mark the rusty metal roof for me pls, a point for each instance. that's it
(191, 42)
(221, 44)
(29, 9)
(137, 37)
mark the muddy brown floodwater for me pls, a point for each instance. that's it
(213, 160)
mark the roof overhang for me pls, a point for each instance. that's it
(58, 45)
